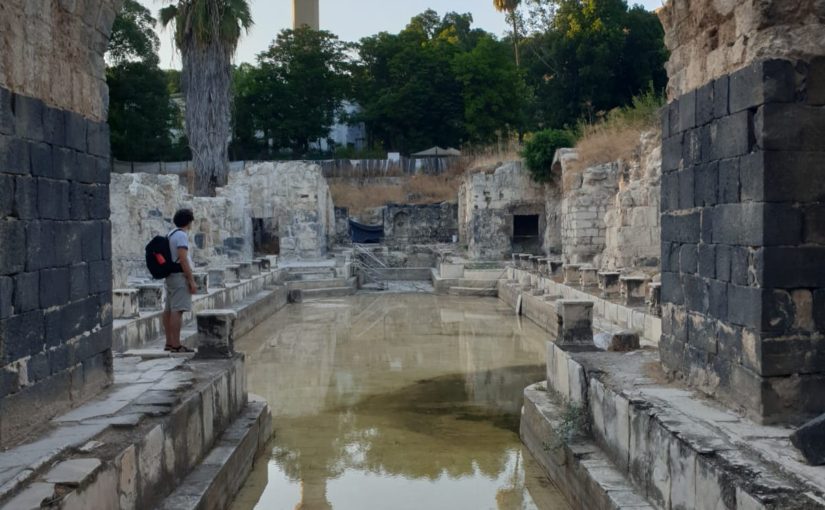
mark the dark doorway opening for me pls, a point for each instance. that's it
(526, 226)
(265, 236)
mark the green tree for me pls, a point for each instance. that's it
(207, 34)
(493, 90)
(141, 113)
(594, 55)
(510, 6)
(541, 147)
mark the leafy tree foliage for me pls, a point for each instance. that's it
(593, 56)
(141, 113)
(426, 85)
(541, 147)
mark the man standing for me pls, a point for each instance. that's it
(180, 285)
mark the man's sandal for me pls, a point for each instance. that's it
(180, 348)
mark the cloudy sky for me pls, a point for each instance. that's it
(349, 19)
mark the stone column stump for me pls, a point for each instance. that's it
(574, 322)
(572, 274)
(216, 334)
(217, 278)
(201, 282)
(232, 274)
(125, 304)
(654, 298)
(609, 283)
(633, 289)
(555, 266)
(589, 276)
(265, 265)
(245, 270)
(150, 296)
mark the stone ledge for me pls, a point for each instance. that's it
(678, 449)
(148, 433)
(216, 481)
(581, 470)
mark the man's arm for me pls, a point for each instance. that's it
(183, 257)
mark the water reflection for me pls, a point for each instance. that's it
(396, 401)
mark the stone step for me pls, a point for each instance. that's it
(477, 284)
(132, 445)
(554, 431)
(320, 283)
(473, 291)
(213, 484)
(328, 292)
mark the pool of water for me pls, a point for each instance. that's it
(396, 401)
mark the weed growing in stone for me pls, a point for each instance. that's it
(574, 425)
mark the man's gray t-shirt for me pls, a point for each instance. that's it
(179, 239)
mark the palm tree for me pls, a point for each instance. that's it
(510, 6)
(207, 34)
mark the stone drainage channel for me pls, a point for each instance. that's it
(403, 401)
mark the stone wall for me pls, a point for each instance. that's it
(709, 39)
(420, 224)
(743, 236)
(632, 236)
(587, 195)
(55, 255)
(487, 204)
(293, 198)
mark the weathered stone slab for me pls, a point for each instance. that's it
(232, 273)
(216, 278)
(572, 274)
(574, 322)
(245, 270)
(589, 276)
(619, 341)
(72, 472)
(150, 296)
(216, 334)
(609, 282)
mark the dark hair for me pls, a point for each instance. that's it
(183, 218)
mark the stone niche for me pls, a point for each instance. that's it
(55, 236)
(743, 215)
(420, 224)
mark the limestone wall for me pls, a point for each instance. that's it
(487, 204)
(292, 197)
(632, 235)
(712, 38)
(587, 196)
(53, 50)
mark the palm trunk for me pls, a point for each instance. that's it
(206, 82)
(515, 37)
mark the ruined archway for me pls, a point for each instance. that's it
(55, 255)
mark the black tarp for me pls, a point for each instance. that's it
(361, 233)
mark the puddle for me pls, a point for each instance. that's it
(396, 401)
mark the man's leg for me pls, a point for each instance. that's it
(175, 325)
(167, 327)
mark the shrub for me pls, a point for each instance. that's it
(540, 148)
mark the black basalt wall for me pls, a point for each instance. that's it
(743, 239)
(55, 262)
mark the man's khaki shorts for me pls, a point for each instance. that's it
(178, 298)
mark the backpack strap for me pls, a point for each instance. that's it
(173, 232)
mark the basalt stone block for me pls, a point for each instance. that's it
(76, 127)
(815, 224)
(622, 341)
(704, 104)
(216, 334)
(673, 117)
(782, 176)
(672, 289)
(815, 86)
(42, 160)
(756, 224)
(707, 261)
(686, 188)
(688, 259)
(687, 111)
(6, 115)
(53, 199)
(745, 306)
(54, 127)
(100, 276)
(721, 95)
(28, 117)
(201, 282)
(125, 304)
(793, 267)
(6, 195)
(705, 182)
(25, 198)
(670, 192)
(723, 262)
(6, 296)
(718, 300)
(633, 289)
(681, 228)
(730, 136)
(789, 127)
(14, 155)
(672, 153)
(819, 309)
(23, 335)
(809, 439)
(766, 81)
(79, 281)
(669, 257)
(12, 256)
(26, 292)
(728, 181)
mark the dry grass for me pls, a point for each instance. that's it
(616, 137)
(418, 189)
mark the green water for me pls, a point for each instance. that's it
(396, 401)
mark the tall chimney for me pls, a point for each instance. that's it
(305, 13)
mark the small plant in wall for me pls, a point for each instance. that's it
(573, 425)
(540, 148)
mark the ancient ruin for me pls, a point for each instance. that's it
(665, 312)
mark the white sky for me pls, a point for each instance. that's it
(349, 19)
